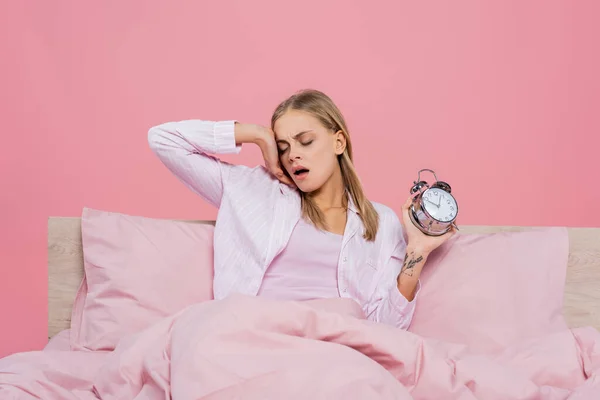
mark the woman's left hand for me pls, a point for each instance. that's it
(416, 238)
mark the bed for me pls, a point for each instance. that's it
(254, 348)
(65, 271)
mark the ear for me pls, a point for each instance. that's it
(340, 142)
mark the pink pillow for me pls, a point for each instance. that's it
(490, 291)
(137, 270)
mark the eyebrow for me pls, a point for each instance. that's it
(296, 136)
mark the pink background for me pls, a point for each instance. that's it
(500, 98)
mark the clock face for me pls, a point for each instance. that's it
(440, 204)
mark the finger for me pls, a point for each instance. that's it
(273, 168)
(286, 180)
(279, 174)
(407, 203)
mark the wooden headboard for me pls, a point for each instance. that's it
(65, 271)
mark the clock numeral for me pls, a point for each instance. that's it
(452, 208)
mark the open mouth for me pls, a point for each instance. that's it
(301, 173)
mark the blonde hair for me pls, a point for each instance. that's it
(323, 108)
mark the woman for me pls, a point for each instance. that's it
(301, 227)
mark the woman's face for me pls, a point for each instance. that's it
(307, 150)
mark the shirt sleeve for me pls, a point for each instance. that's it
(397, 310)
(187, 147)
(387, 304)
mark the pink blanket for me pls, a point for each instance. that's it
(253, 348)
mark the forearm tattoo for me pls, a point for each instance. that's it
(409, 263)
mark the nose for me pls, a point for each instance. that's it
(294, 155)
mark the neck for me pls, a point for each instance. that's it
(332, 194)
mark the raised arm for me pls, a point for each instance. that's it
(189, 148)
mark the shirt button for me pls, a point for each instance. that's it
(345, 259)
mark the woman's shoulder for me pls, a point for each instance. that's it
(252, 182)
(386, 214)
(389, 221)
(249, 176)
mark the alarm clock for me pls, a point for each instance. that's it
(433, 210)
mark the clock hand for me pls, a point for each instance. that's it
(432, 203)
(439, 202)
